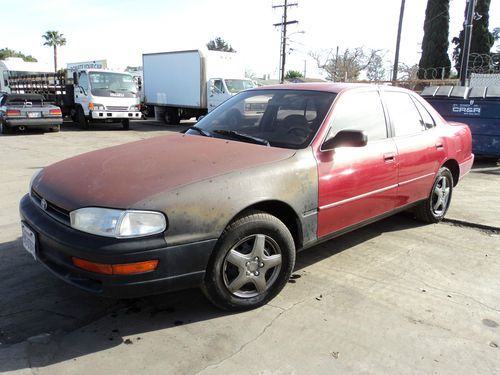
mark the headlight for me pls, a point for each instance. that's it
(135, 107)
(117, 223)
(96, 107)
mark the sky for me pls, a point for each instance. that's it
(120, 31)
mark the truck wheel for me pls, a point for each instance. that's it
(172, 117)
(433, 209)
(55, 129)
(251, 263)
(80, 119)
(126, 124)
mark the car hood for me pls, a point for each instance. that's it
(121, 176)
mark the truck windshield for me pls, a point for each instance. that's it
(236, 85)
(114, 82)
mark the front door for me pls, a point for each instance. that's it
(357, 183)
(216, 93)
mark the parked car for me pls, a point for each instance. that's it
(227, 205)
(24, 111)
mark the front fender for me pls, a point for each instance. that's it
(201, 210)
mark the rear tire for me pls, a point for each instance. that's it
(55, 129)
(434, 208)
(126, 124)
(251, 263)
(171, 116)
(81, 119)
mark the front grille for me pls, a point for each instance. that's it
(116, 108)
(56, 212)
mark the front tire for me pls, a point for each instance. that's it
(434, 208)
(251, 263)
(81, 119)
(126, 124)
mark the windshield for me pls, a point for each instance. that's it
(280, 118)
(112, 81)
(236, 85)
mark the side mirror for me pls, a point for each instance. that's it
(75, 78)
(346, 138)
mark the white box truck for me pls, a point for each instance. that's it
(185, 84)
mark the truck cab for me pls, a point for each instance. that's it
(221, 89)
(103, 95)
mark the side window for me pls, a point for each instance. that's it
(84, 81)
(429, 122)
(218, 84)
(360, 111)
(403, 113)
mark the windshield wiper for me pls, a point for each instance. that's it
(242, 136)
(201, 131)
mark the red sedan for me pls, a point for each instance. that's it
(227, 205)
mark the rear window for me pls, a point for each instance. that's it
(23, 100)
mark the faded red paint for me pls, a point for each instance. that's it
(123, 175)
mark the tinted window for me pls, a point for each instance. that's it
(284, 118)
(426, 117)
(360, 111)
(404, 115)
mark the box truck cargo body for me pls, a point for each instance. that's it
(185, 84)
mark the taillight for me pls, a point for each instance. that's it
(55, 112)
(13, 112)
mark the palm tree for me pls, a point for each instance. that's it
(54, 39)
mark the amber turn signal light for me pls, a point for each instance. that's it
(116, 269)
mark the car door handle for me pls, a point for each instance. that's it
(439, 146)
(390, 157)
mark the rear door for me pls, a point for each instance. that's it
(420, 147)
(357, 183)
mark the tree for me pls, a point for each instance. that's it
(345, 66)
(376, 71)
(6, 52)
(435, 42)
(481, 39)
(291, 74)
(407, 72)
(54, 39)
(219, 44)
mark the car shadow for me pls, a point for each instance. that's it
(34, 302)
(70, 126)
(139, 125)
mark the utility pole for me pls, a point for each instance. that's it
(398, 41)
(464, 66)
(283, 25)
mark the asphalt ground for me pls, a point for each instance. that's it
(393, 297)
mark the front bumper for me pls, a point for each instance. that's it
(47, 122)
(179, 267)
(103, 115)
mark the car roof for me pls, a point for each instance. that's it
(324, 86)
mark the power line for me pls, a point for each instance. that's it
(283, 25)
